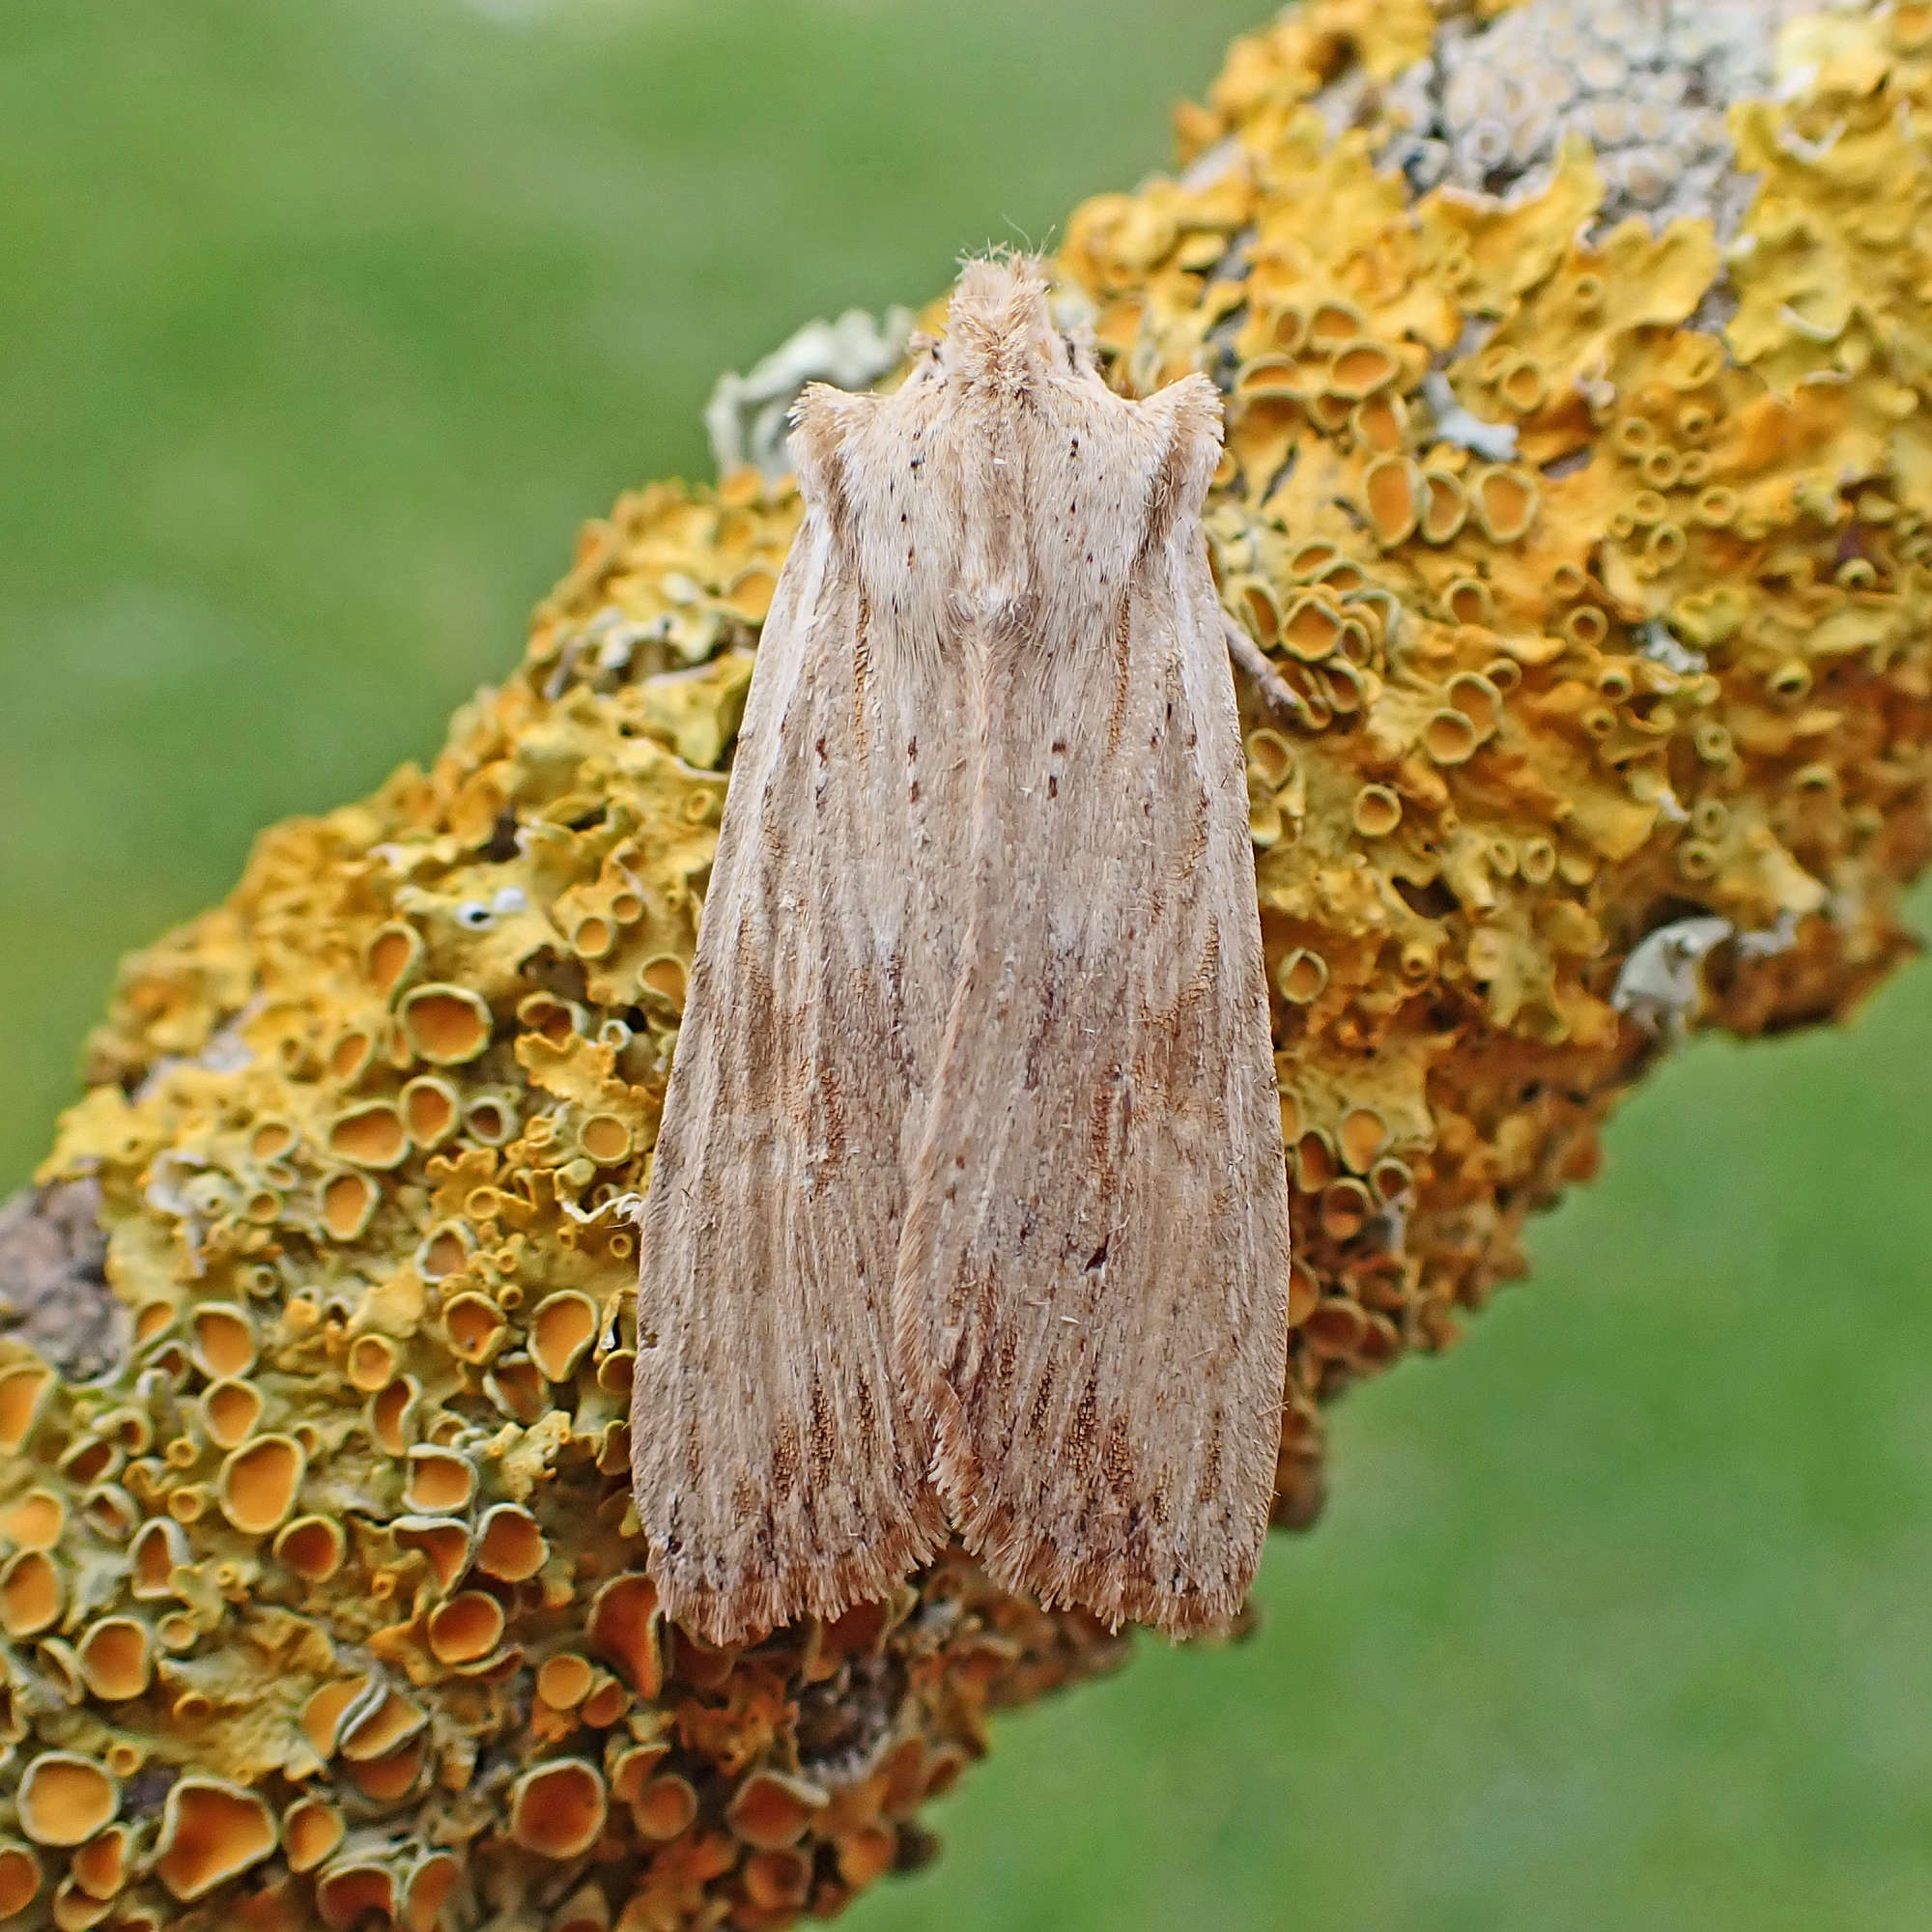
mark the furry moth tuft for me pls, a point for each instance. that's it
(968, 1213)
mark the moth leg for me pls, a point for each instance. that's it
(1275, 695)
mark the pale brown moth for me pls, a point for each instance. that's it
(968, 1212)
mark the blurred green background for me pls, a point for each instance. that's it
(320, 329)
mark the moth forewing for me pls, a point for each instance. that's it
(776, 1468)
(967, 1208)
(1092, 1290)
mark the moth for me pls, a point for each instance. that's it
(968, 1212)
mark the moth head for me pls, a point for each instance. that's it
(1000, 325)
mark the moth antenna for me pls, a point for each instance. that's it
(1273, 690)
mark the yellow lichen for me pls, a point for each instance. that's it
(558, 1809)
(211, 1831)
(63, 1799)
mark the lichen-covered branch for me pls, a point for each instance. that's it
(1576, 509)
